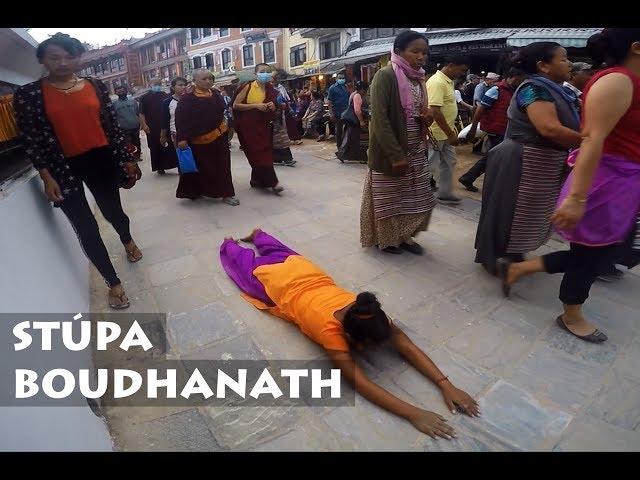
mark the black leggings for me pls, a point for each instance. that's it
(581, 266)
(95, 168)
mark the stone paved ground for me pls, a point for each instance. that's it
(539, 388)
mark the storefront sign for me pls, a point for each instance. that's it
(469, 47)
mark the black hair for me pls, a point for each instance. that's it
(365, 320)
(255, 69)
(457, 60)
(528, 57)
(403, 40)
(515, 72)
(175, 81)
(72, 46)
(120, 86)
(360, 85)
(317, 95)
(611, 47)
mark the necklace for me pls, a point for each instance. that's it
(67, 91)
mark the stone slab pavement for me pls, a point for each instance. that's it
(539, 388)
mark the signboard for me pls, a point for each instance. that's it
(469, 47)
(311, 67)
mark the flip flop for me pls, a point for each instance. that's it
(123, 299)
(596, 337)
(503, 271)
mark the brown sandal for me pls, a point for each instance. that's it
(123, 301)
(134, 254)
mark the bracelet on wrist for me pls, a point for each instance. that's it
(577, 198)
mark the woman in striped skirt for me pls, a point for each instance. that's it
(525, 172)
(397, 199)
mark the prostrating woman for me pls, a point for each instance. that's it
(151, 118)
(291, 287)
(599, 204)
(254, 107)
(397, 200)
(200, 124)
(73, 139)
(356, 137)
(524, 173)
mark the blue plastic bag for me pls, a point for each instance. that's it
(186, 162)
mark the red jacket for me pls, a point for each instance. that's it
(494, 121)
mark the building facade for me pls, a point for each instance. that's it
(325, 47)
(232, 53)
(162, 55)
(115, 65)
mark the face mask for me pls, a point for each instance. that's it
(156, 88)
(341, 81)
(264, 77)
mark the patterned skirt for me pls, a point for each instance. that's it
(394, 209)
(538, 191)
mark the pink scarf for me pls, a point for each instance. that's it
(404, 72)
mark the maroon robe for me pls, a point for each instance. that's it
(196, 116)
(162, 158)
(255, 133)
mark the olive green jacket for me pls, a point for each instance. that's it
(388, 142)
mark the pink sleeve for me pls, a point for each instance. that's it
(357, 103)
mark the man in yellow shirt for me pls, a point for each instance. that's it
(442, 102)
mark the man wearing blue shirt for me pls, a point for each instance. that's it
(338, 102)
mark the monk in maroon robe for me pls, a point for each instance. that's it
(162, 158)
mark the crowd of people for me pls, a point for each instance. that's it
(563, 154)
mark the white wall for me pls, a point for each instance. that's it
(42, 270)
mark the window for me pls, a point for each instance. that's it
(121, 63)
(370, 33)
(206, 32)
(208, 60)
(226, 59)
(330, 46)
(244, 29)
(298, 55)
(172, 71)
(224, 32)
(164, 72)
(195, 35)
(247, 56)
(197, 62)
(367, 33)
(268, 52)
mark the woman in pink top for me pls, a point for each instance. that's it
(356, 140)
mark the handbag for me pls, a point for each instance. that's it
(349, 115)
(186, 162)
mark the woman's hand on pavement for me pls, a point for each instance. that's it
(457, 399)
(432, 424)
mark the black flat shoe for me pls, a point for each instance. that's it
(393, 250)
(503, 271)
(413, 248)
(596, 337)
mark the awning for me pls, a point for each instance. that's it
(475, 35)
(334, 66)
(567, 37)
